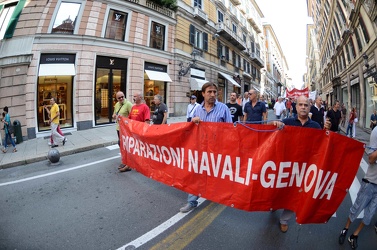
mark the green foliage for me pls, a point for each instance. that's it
(170, 4)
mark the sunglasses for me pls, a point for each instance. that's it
(120, 97)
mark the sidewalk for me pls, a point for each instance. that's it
(35, 150)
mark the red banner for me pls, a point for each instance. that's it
(294, 93)
(253, 167)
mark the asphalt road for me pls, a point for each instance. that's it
(85, 203)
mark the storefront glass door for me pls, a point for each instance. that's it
(108, 83)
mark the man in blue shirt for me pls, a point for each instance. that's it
(209, 111)
(254, 111)
(302, 120)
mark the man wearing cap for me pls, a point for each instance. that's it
(191, 108)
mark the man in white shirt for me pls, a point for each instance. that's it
(191, 108)
(279, 108)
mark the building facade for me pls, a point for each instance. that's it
(345, 32)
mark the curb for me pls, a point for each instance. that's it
(65, 153)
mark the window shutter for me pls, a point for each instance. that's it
(239, 61)
(192, 34)
(14, 19)
(227, 53)
(205, 41)
(219, 49)
(234, 58)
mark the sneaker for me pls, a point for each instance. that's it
(353, 241)
(65, 140)
(342, 236)
(54, 146)
(49, 143)
(187, 208)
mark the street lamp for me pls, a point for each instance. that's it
(369, 71)
(184, 70)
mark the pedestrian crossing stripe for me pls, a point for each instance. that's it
(113, 147)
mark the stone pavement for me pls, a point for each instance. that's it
(35, 150)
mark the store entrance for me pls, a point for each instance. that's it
(108, 83)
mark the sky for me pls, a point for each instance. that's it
(288, 19)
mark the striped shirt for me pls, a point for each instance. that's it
(219, 113)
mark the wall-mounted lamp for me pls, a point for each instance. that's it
(369, 72)
(215, 36)
(184, 70)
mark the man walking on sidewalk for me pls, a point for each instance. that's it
(54, 115)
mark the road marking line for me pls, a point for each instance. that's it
(355, 187)
(113, 147)
(364, 165)
(183, 236)
(157, 230)
(57, 172)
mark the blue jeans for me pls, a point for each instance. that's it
(193, 200)
(8, 136)
(349, 128)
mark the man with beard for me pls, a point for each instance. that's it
(234, 108)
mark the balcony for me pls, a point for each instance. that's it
(247, 51)
(254, 23)
(236, 2)
(337, 44)
(231, 36)
(200, 15)
(345, 31)
(256, 58)
(221, 4)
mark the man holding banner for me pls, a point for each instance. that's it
(366, 197)
(209, 111)
(302, 120)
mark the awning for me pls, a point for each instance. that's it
(196, 84)
(57, 69)
(230, 79)
(158, 76)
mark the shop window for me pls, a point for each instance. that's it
(152, 88)
(116, 25)
(66, 18)
(157, 36)
(59, 87)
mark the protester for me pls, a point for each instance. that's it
(8, 136)
(366, 197)
(60, 132)
(373, 120)
(344, 115)
(210, 110)
(239, 99)
(255, 111)
(54, 115)
(160, 114)
(302, 120)
(234, 108)
(356, 120)
(121, 108)
(334, 115)
(139, 112)
(244, 100)
(293, 109)
(317, 112)
(288, 106)
(279, 108)
(350, 122)
(191, 107)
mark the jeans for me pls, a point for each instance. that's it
(349, 128)
(193, 200)
(285, 216)
(8, 136)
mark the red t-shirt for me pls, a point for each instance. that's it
(140, 112)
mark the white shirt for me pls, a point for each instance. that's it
(279, 107)
(191, 108)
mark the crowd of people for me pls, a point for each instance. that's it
(249, 108)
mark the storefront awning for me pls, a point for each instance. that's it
(196, 84)
(158, 76)
(230, 79)
(56, 69)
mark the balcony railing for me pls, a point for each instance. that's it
(158, 8)
(200, 14)
(236, 2)
(224, 31)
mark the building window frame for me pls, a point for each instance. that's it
(126, 24)
(154, 23)
(57, 10)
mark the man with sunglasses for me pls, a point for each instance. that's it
(121, 108)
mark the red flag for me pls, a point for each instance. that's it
(253, 167)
